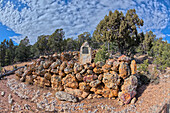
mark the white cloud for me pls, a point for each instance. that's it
(77, 16)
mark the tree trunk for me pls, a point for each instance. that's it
(10, 72)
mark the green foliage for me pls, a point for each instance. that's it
(86, 36)
(120, 29)
(102, 54)
(7, 52)
(70, 44)
(40, 47)
(0, 68)
(146, 45)
(144, 67)
(55, 41)
(161, 54)
(22, 52)
(147, 77)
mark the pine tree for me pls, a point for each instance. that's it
(22, 52)
(55, 41)
(2, 53)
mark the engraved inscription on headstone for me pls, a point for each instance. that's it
(85, 50)
(85, 53)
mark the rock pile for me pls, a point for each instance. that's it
(115, 78)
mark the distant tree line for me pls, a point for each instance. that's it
(117, 32)
(45, 45)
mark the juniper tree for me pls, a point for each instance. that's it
(121, 29)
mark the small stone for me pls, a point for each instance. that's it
(133, 100)
(10, 100)
(99, 96)
(2, 93)
(12, 108)
(61, 95)
(85, 94)
(121, 103)
(90, 96)
(80, 98)
(26, 106)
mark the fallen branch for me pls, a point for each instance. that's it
(10, 72)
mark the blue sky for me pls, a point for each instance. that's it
(32, 18)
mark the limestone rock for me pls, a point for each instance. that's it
(70, 81)
(90, 78)
(79, 77)
(68, 70)
(106, 68)
(90, 72)
(77, 92)
(130, 84)
(110, 93)
(70, 64)
(47, 64)
(126, 97)
(19, 72)
(63, 66)
(61, 95)
(124, 59)
(56, 82)
(47, 76)
(133, 67)
(29, 79)
(55, 71)
(83, 71)
(54, 65)
(87, 66)
(111, 80)
(115, 66)
(100, 77)
(97, 70)
(99, 64)
(124, 70)
(95, 83)
(90, 96)
(85, 94)
(62, 74)
(128, 89)
(77, 68)
(84, 86)
(133, 100)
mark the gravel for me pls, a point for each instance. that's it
(2, 93)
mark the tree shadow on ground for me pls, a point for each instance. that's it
(144, 82)
(140, 90)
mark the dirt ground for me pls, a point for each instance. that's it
(150, 99)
